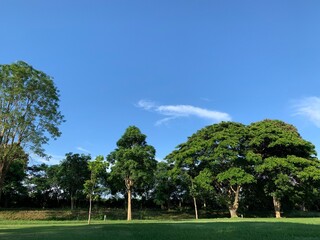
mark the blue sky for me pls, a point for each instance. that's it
(169, 67)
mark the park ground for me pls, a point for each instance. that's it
(217, 228)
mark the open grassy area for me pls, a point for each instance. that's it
(249, 229)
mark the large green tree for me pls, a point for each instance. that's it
(29, 105)
(284, 159)
(73, 173)
(132, 162)
(218, 152)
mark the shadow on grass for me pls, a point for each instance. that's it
(231, 230)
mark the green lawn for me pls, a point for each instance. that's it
(293, 229)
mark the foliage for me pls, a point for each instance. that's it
(14, 172)
(283, 158)
(132, 162)
(13, 189)
(42, 184)
(217, 155)
(166, 188)
(92, 186)
(29, 105)
(73, 173)
(222, 165)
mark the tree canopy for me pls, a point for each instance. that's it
(29, 105)
(282, 157)
(216, 154)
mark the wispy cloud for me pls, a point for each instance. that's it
(310, 108)
(83, 150)
(177, 111)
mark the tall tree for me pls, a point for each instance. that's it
(133, 161)
(93, 186)
(73, 173)
(29, 105)
(218, 151)
(283, 156)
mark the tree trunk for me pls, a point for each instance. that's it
(129, 183)
(72, 202)
(204, 204)
(277, 207)
(90, 208)
(168, 204)
(129, 216)
(195, 207)
(233, 212)
(233, 208)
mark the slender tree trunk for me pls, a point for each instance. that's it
(129, 215)
(90, 209)
(277, 207)
(195, 207)
(233, 208)
(72, 202)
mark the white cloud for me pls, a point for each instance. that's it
(176, 111)
(83, 150)
(310, 108)
(164, 120)
(147, 105)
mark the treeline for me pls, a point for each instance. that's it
(226, 166)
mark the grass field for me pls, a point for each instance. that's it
(248, 229)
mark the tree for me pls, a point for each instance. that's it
(29, 105)
(283, 156)
(219, 152)
(92, 186)
(133, 161)
(73, 173)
